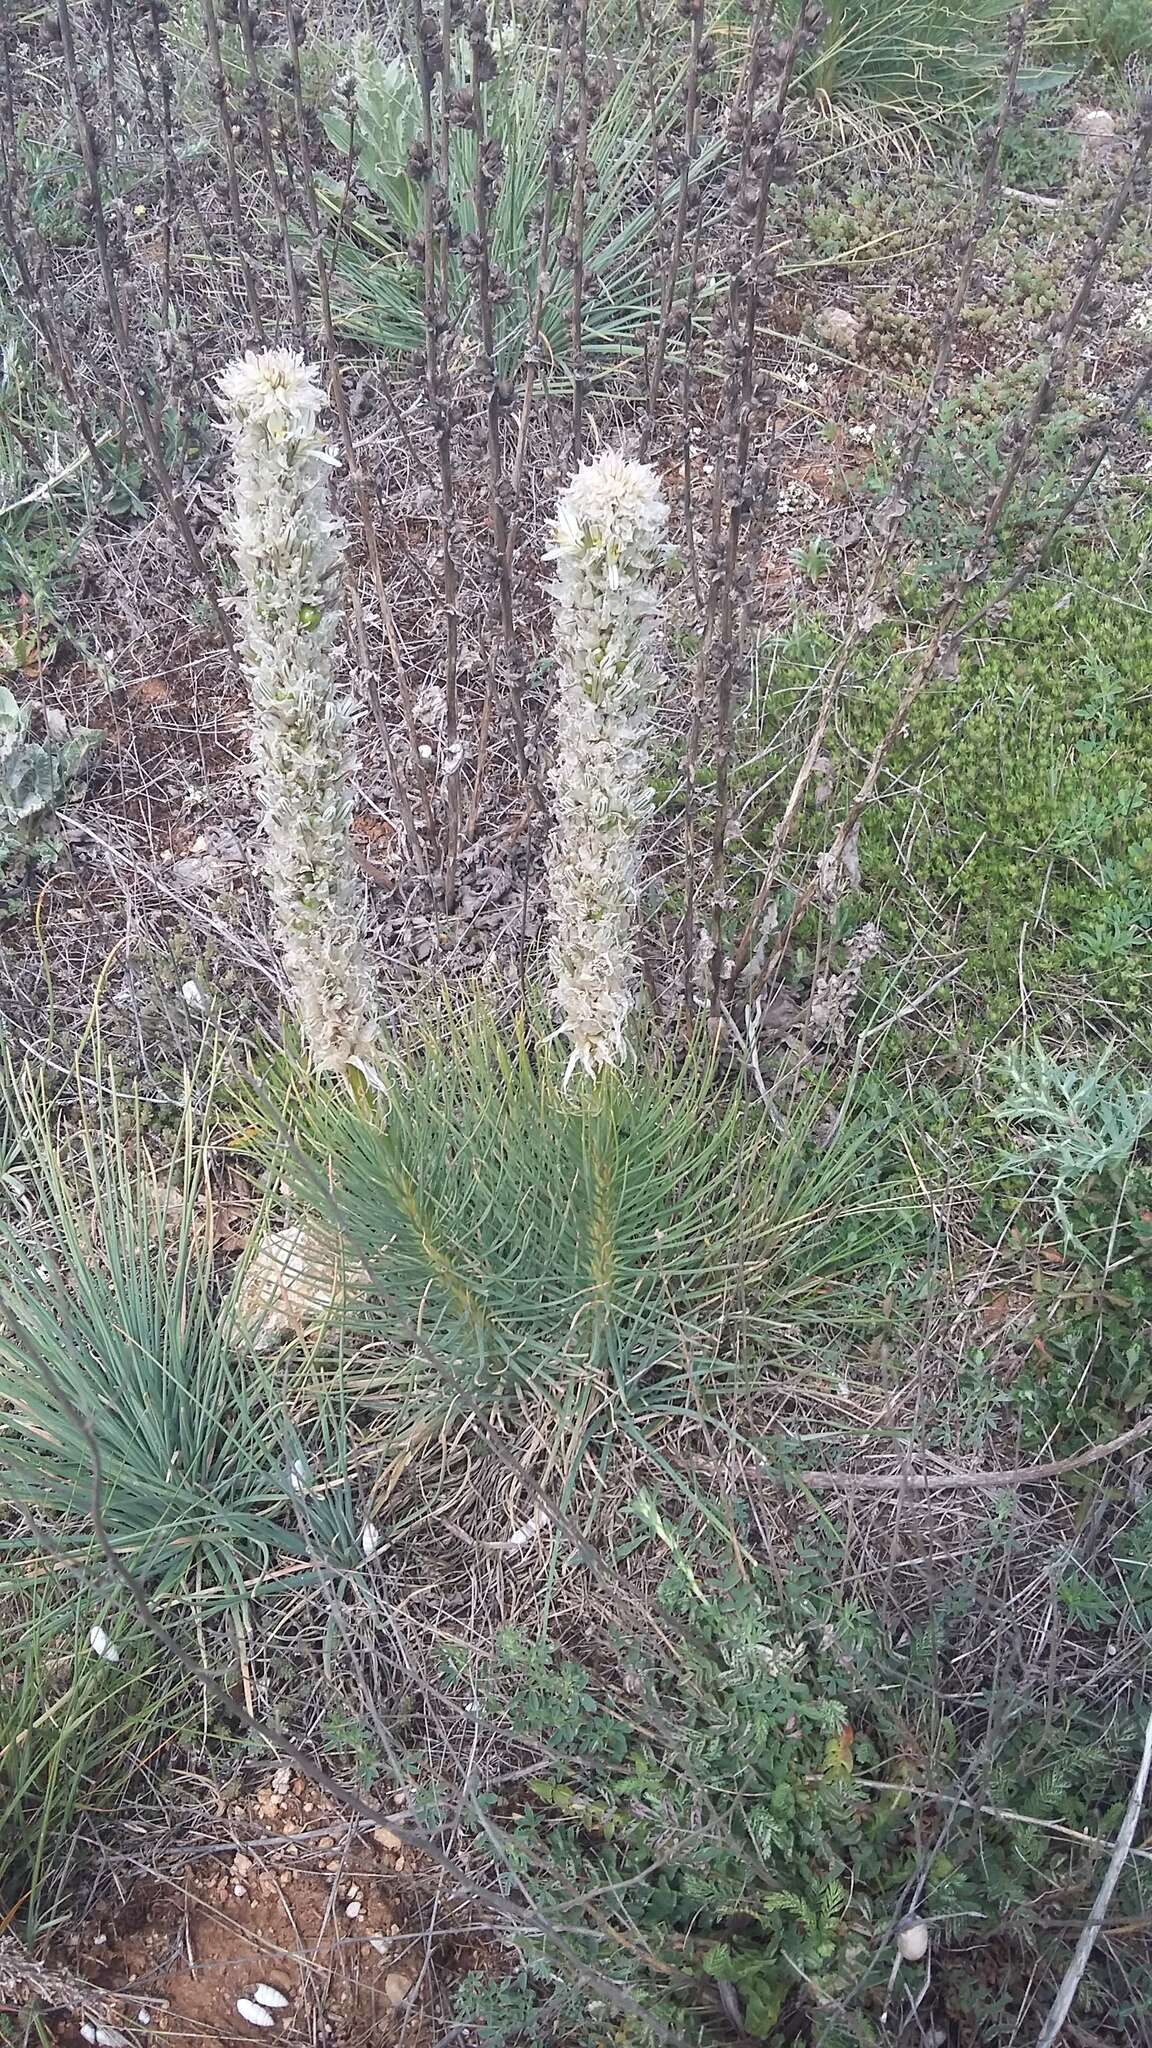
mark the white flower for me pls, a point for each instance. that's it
(371, 1541)
(287, 551)
(101, 1645)
(608, 544)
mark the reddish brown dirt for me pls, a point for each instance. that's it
(334, 1920)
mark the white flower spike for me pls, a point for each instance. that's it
(608, 546)
(101, 1645)
(287, 550)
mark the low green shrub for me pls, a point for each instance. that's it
(705, 1797)
(1012, 831)
(738, 1796)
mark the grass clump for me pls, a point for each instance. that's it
(378, 290)
(74, 1728)
(1112, 32)
(118, 1337)
(926, 63)
(603, 1255)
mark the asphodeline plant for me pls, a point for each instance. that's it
(608, 547)
(287, 548)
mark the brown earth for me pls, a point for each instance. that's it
(337, 1920)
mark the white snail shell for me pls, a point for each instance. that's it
(912, 1939)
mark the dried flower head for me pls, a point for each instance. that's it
(608, 545)
(286, 545)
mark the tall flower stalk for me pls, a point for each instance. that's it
(608, 547)
(287, 549)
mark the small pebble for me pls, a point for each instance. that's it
(353, 1909)
(384, 1837)
(397, 1987)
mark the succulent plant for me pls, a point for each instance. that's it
(33, 775)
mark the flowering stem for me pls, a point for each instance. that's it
(608, 545)
(286, 547)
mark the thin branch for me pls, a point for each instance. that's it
(1070, 1983)
(942, 1482)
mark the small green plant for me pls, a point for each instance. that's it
(700, 1788)
(965, 460)
(1082, 1123)
(33, 776)
(736, 1791)
(1036, 154)
(1084, 1171)
(815, 558)
(378, 285)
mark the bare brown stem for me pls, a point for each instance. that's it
(257, 101)
(675, 256)
(363, 495)
(137, 398)
(488, 171)
(575, 233)
(227, 119)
